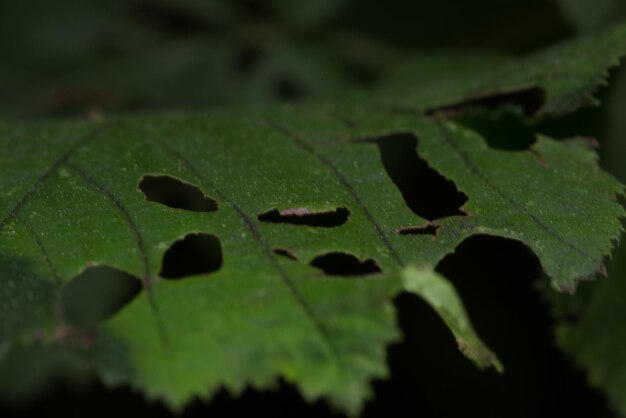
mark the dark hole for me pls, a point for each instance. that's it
(97, 294)
(302, 216)
(429, 229)
(425, 191)
(169, 18)
(260, 9)
(285, 253)
(505, 129)
(286, 88)
(529, 100)
(495, 278)
(247, 59)
(342, 264)
(195, 254)
(502, 129)
(175, 194)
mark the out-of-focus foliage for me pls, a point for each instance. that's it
(70, 56)
(591, 324)
(592, 14)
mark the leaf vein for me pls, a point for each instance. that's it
(147, 279)
(476, 171)
(253, 229)
(300, 142)
(42, 249)
(47, 173)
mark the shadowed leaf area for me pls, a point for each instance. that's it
(481, 269)
(96, 294)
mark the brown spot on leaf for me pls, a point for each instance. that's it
(428, 229)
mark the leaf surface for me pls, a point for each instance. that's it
(556, 80)
(313, 215)
(590, 325)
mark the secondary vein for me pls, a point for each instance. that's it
(46, 174)
(42, 249)
(519, 206)
(254, 231)
(147, 275)
(301, 143)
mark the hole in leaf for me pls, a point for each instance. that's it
(304, 216)
(247, 59)
(285, 253)
(502, 129)
(175, 194)
(343, 264)
(193, 255)
(286, 88)
(97, 294)
(427, 193)
(169, 18)
(530, 100)
(505, 129)
(480, 253)
(428, 229)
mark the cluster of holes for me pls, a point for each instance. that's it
(100, 291)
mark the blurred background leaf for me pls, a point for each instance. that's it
(68, 56)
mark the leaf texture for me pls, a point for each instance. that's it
(278, 299)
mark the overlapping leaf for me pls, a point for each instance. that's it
(591, 324)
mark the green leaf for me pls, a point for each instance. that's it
(590, 325)
(443, 298)
(587, 14)
(306, 220)
(557, 80)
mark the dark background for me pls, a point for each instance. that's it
(77, 57)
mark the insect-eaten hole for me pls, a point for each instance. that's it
(426, 192)
(175, 193)
(304, 216)
(502, 129)
(428, 229)
(287, 88)
(284, 252)
(344, 264)
(530, 100)
(193, 255)
(96, 295)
